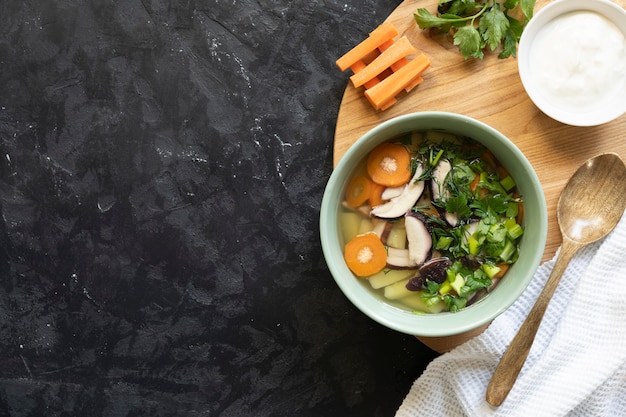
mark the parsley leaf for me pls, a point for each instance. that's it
(458, 205)
(511, 38)
(461, 8)
(528, 6)
(454, 304)
(477, 24)
(432, 287)
(493, 27)
(427, 20)
(469, 41)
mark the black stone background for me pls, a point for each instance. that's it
(162, 165)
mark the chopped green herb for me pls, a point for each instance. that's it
(443, 243)
(458, 204)
(507, 182)
(487, 231)
(490, 269)
(513, 229)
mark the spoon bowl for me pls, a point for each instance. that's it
(590, 206)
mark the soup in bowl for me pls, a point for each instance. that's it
(433, 223)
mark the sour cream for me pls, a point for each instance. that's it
(579, 61)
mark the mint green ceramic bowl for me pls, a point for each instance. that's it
(508, 289)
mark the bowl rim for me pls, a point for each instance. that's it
(548, 13)
(440, 324)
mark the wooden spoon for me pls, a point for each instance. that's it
(589, 207)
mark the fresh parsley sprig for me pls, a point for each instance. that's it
(478, 24)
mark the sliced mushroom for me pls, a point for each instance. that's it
(382, 229)
(470, 262)
(439, 190)
(399, 259)
(435, 269)
(391, 192)
(363, 210)
(480, 294)
(416, 283)
(451, 218)
(418, 236)
(494, 281)
(477, 296)
(441, 171)
(399, 205)
(432, 270)
(471, 228)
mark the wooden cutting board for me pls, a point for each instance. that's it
(488, 90)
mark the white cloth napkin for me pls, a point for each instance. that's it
(577, 365)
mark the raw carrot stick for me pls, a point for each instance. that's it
(358, 190)
(396, 65)
(392, 85)
(358, 66)
(400, 49)
(388, 104)
(385, 46)
(376, 38)
(365, 255)
(416, 81)
(386, 73)
(409, 87)
(372, 55)
(399, 64)
(388, 164)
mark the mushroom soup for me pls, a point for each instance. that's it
(431, 220)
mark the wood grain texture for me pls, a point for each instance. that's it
(489, 90)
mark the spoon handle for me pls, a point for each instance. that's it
(514, 357)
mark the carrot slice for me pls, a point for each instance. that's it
(377, 37)
(400, 49)
(490, 159)
(388, 164)
(365, 255)
(502, 271)
(503, 172)
(376, 194)
(482, 192)
(474, 184)
(387, 89)
(358, 190)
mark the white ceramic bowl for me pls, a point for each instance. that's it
(535, 223)
(576, 75)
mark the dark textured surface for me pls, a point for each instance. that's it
(162, 166)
